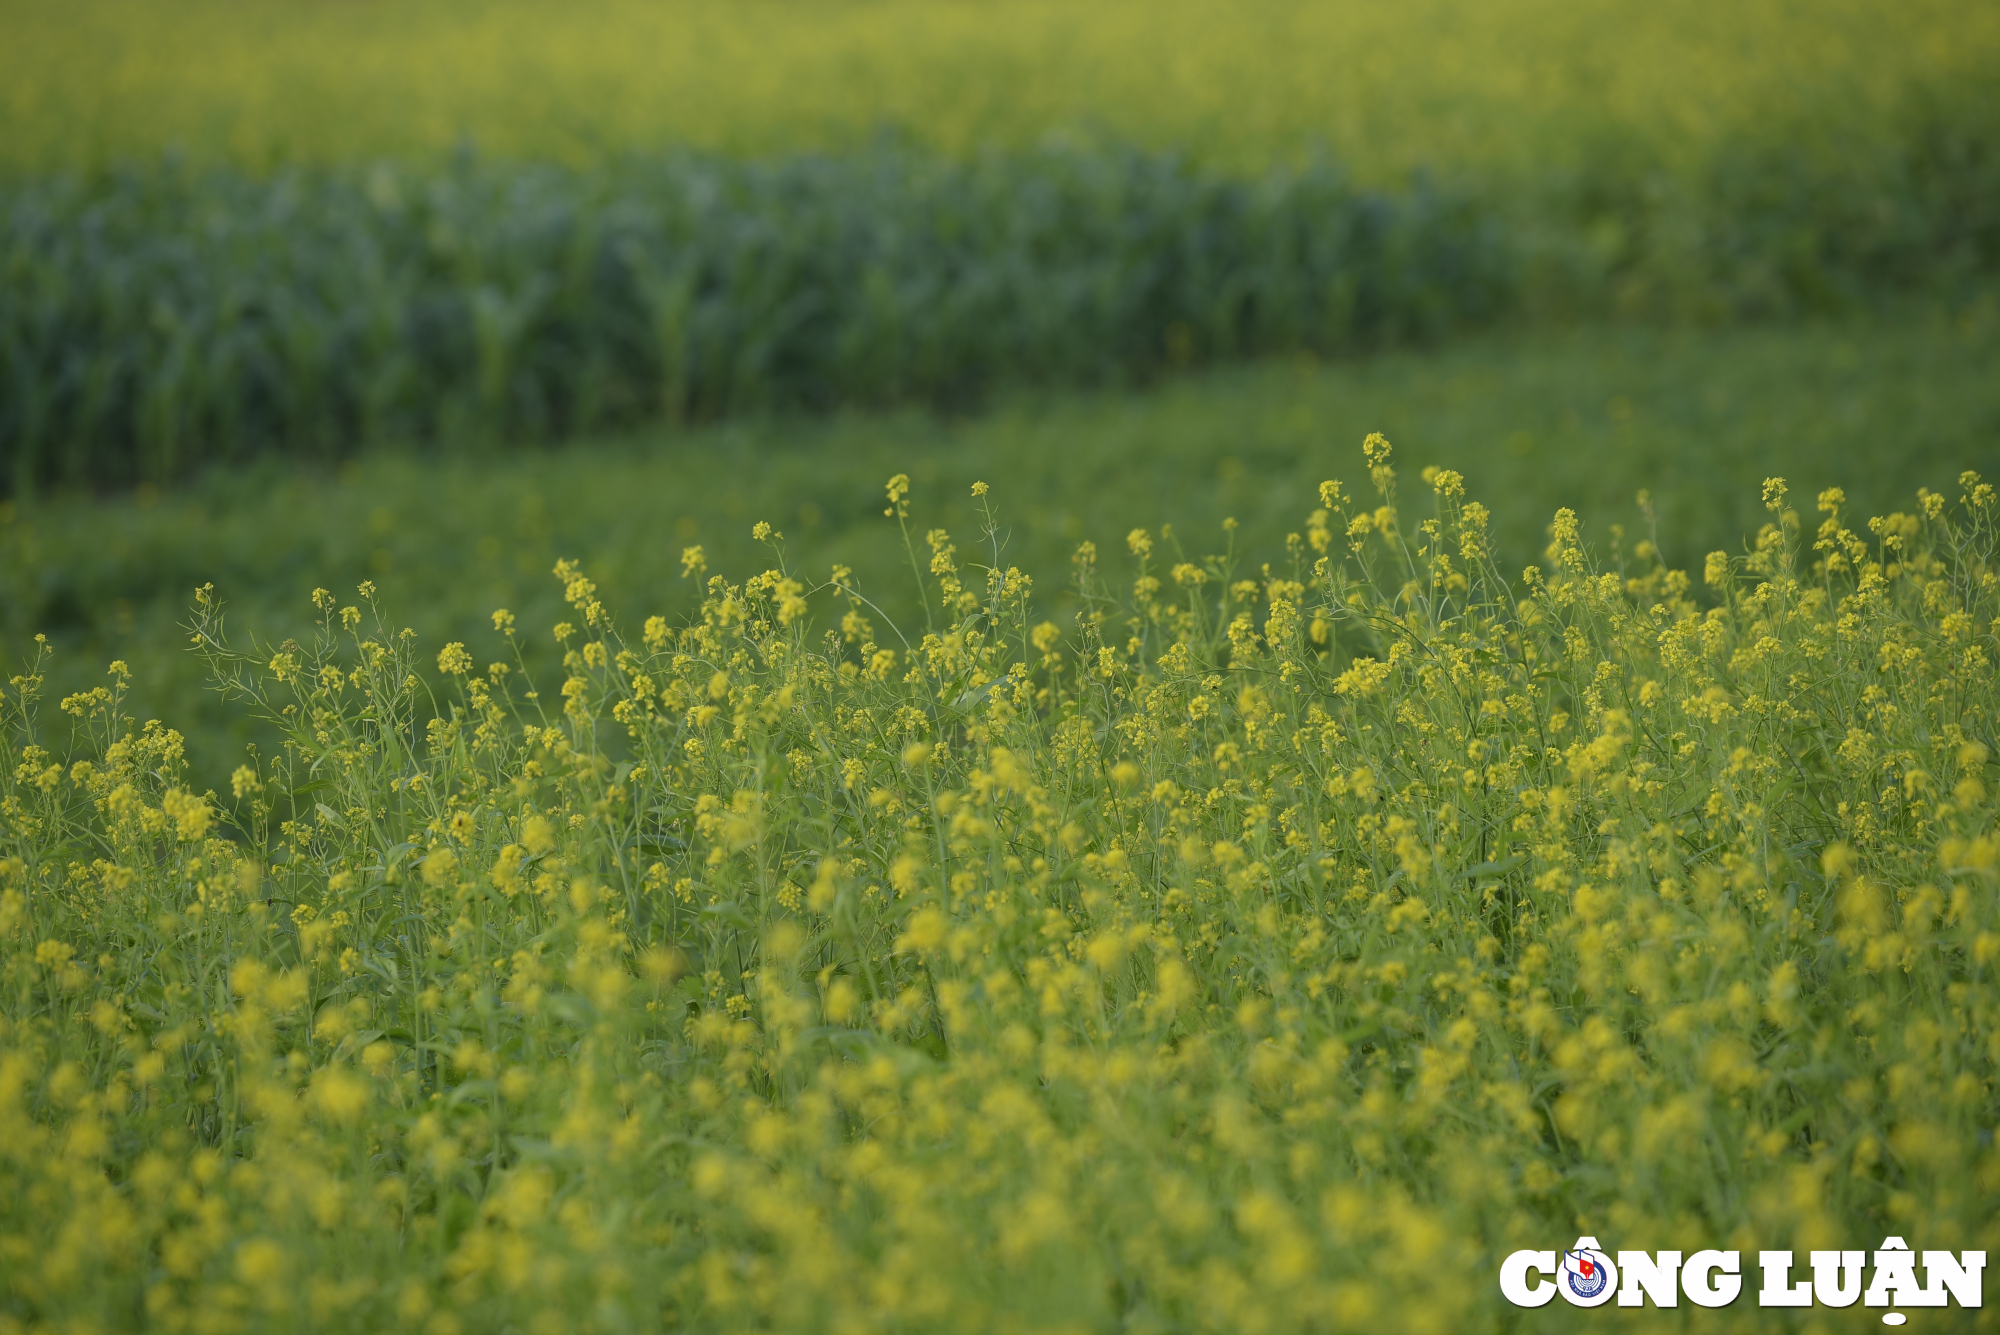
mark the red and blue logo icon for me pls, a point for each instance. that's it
(1588, 1276)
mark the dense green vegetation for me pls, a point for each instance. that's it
(155, 322)
(1272, 943)
(151, 322)
(337, 279)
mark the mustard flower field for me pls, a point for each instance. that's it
(508, 824)
(1507, 87)
(1273, 942)
(1582, 420)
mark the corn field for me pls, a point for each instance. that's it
(156, 320)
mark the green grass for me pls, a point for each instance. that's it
(1585, 419)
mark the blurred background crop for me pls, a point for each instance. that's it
(1505, 87)
(304, 293)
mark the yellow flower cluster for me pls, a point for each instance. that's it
(1272, 950)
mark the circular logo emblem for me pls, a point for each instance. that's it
(1588, 1277)
(1584, 1276)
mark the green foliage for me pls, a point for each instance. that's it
(1694, 161)
(156, 321)
(1271, 945)
(152, 321)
